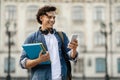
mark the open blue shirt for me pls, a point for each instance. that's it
(43, 72)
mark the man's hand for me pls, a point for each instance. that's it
(43, 57)
(73, 45)
(34, 62)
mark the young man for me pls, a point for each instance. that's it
(57, 70)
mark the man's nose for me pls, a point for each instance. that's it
(52, 19)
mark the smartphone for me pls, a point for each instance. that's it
(74, 36)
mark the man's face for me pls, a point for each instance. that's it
(48, 20)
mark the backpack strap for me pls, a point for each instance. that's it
(61, 36)
(60, 33)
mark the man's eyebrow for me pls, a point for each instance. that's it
(48, 15)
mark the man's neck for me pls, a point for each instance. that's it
(44, 28)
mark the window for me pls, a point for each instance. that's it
(117, 13)
(78, 68)
(81, 39)
(67, 0)
(99, 0)
(10, 11)
(44, 0)
(12, 65)
(100, 65)
(31, 12)
(77, 13)
(116, 1)
(77, 0)
(53, 0)
(99, 13)
(118, 65)
(89, 62)
(99, 39)
(118, 38)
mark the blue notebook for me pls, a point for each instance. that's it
(32, 50)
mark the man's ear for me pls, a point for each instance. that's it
(41, 18)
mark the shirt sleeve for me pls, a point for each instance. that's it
(23, 57)
(23, 62)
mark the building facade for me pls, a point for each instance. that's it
(82, 17)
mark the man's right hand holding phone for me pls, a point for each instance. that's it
(73, 45)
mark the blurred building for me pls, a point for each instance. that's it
(82, 17)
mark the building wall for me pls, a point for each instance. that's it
(88, 51)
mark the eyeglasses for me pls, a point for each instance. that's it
(50, 17)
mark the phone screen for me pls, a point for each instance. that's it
(74, 37)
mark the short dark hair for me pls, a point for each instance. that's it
(43, 11)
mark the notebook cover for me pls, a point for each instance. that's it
(33, 50)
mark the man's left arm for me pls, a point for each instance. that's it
(70, 47)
